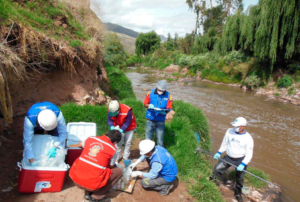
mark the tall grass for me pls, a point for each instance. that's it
(120, 85)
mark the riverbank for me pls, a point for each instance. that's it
(178, 76)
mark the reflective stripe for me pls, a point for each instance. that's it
(91, 163)
(104, 143)
(122, 113)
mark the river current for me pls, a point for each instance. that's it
(274, 126)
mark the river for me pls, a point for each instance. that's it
(274, 126)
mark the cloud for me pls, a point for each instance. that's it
(168, 16)
(163, 16)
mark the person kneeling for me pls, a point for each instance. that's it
(163, 167)
(93, 170)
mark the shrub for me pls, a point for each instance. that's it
(120, 85)
(285, 82)
(252, 81)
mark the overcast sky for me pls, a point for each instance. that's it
(162, 16)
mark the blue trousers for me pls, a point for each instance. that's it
(159, 128)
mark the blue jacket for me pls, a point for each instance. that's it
(169, 170)
(31, 122)
(159, 101)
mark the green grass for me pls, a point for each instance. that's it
(75, 43)
(41, 16)
(120, 85)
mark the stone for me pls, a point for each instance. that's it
(184, 71)
(172, 69)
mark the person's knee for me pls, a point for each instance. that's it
(145, 183)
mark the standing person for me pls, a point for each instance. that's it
(158, 102)
(121, 117)
(92, 171)
(238, 145)
(43, 117)
(163, 170)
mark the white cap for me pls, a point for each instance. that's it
(162, 85)
(240, 121)
(47, 119)
(114, 108)
(146, 146)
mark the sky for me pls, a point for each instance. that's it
(162, 16)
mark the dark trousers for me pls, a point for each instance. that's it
(40, 130)
(221, 168)
(100, 193)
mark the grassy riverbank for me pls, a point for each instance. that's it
(193, 169)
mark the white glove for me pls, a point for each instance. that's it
(132, 166)
(136, 173)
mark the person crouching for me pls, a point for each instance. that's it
(93, 171)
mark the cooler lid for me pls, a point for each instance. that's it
(80, 131)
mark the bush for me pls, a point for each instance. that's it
(120, 85)
(252, 81)
(285, 82)
(114, 53)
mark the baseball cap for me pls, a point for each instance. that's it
(240, 121)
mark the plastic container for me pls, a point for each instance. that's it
(77, 132)
(48, 178)
(127, 162)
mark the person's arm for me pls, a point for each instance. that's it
(170, 102)
(147, 100)
(249, 151)
(224, 144)
(28, 139)
(62, 130)
(128, 120)
(109, 120)
(154, 171)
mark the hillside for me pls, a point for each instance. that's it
(129, 32)
(128, 43)
(119, 29)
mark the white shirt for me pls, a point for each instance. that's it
(237, 145)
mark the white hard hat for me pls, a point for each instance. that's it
(47, 119)
(240, 121)
(114, 108)
(162, 85)
(146, 146)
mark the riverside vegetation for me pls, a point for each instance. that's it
(251, 48)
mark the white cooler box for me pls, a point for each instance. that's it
(49, 175)
(77, 132)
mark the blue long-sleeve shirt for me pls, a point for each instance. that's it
(125, 125)
(29, 132)
(155, 167)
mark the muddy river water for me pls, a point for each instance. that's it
(274, 126)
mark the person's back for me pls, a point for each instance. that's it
(91, 169)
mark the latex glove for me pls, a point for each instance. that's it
(132, 166)
(240, 167)
(136, 173)
(33, 164)
(52, 152)
(150, 106)
(112, 128)
(217, 156)
(121, 131)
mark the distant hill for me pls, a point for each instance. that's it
(119, 29)
(129, 32)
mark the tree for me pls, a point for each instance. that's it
(146, 42)
(199, 7)
(114, 52)
(169, 44)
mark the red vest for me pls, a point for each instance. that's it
(120, 119)
(91, 170)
